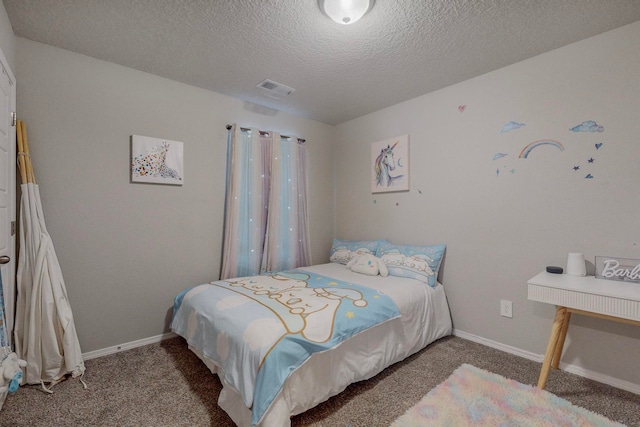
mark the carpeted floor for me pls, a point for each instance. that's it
(164, 384)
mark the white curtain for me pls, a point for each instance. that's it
(266, 217)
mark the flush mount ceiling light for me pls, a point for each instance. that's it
(345, 11)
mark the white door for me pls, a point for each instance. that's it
(7, 189)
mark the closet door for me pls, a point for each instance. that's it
(7, 190)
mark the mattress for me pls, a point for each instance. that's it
(424, 317)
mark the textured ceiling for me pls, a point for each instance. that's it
(400, 50)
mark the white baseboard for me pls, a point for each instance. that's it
(127, 346)
(577, 370)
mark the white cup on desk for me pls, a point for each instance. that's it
(576, 265)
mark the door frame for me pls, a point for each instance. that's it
(8, 270)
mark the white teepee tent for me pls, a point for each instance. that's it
(45, 333)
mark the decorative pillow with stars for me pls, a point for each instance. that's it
(415, 262)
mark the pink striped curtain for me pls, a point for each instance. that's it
(266, 217)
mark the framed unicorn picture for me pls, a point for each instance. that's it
(390, 165)
(157, 161)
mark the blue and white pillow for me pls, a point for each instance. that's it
(342, 251)
(415, 262)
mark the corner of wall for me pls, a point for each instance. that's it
(7, 39)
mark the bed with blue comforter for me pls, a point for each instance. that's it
(282, 343)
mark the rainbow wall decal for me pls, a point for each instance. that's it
(526, 150)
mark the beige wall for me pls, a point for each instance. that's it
(127, 249)
(7, 39)
(502, 229)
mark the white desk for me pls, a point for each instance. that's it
(606, 299)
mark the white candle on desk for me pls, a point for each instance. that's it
(576, 265)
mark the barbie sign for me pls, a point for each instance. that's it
(621, 269)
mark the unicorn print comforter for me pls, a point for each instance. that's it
(258, 330)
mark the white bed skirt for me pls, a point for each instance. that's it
(359, 358)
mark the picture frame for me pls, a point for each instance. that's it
(156, 160)
(390, 165)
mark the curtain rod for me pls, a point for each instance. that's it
(265, 133)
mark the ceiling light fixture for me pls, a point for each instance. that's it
(345, 11)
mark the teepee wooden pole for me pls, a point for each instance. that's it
(30, 175)
(21, 154)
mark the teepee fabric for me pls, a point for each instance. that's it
(45, 333)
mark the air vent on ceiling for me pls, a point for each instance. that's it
(275, 89)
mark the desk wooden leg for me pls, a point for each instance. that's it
(556, 329)
(557, 354)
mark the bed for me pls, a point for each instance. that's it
(282, 343)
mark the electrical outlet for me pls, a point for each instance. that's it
(506, 308)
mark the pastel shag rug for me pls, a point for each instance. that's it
(475, 397)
